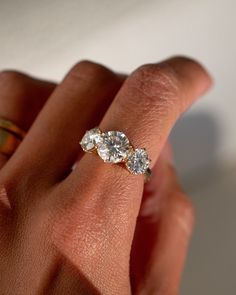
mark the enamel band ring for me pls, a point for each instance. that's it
(10, 136)
(115, 147)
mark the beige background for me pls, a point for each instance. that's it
(46, 37)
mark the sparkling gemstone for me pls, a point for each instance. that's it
(91, 139)
(113, 147)
(137, 161)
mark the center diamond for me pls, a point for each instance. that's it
(114, 147)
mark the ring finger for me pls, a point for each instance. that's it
(103, 200)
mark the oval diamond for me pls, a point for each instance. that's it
(113, 147)
(91, 139)
(138, 162)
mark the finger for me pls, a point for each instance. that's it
(171, 237)
(77, 104)
(21, 98)
(145, 108)
(160, 181)
(106, 196)
(162, 234)
(153, 98)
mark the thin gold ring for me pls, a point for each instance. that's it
(10, 136)
(12, 128)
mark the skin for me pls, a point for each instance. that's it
(96, 229)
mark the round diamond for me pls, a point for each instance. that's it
(113, 147)
(91, 139)
(137, 161)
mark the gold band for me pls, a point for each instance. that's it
(8, 142)
(12, 128)
(10, 136)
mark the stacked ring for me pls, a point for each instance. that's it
(10, 136)
(115, 147)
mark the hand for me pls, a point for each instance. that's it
(97, 229)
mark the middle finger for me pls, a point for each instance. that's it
(77, 103)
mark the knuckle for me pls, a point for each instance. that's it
(159, 85)
(184, 210)
(87, 70)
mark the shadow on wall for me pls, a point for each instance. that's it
(211, 264)
(195, 139)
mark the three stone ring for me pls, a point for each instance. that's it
(115, 147)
